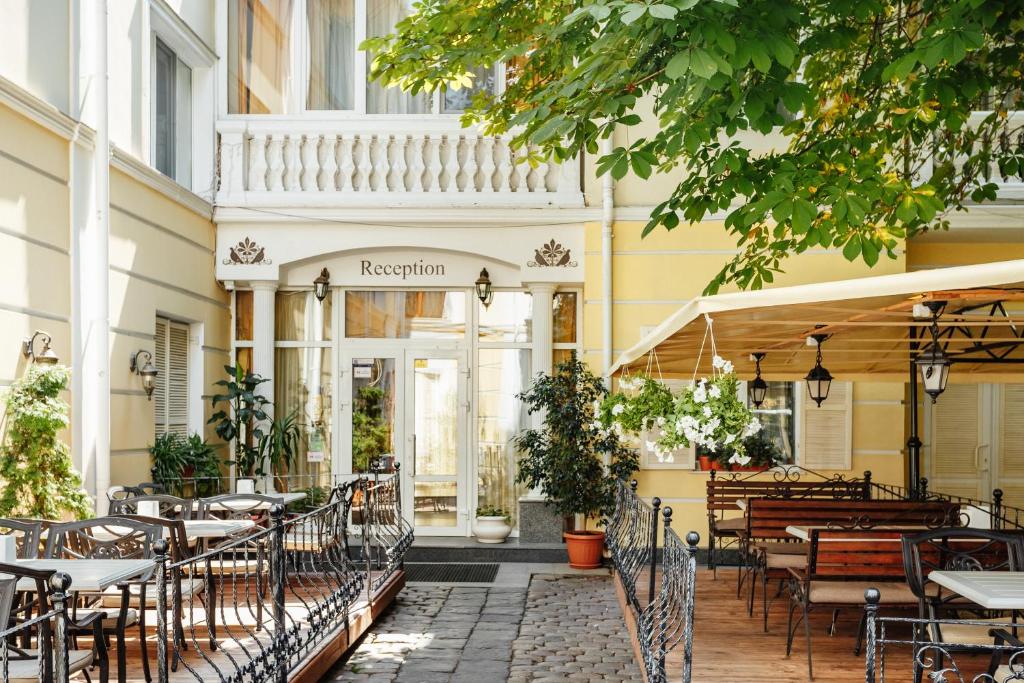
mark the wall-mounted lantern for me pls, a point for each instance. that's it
(46, 356)
(145, 370)
(321, 284)
(483, 288)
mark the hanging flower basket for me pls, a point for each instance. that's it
(641, 405)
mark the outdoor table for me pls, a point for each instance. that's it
(283, 498)
(88, 575)
(991, 590)
(741, 503)
(194, 528)
(804, 532)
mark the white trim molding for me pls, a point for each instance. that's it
(45, 114)
(154, 179)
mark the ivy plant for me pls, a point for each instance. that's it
(565, 458)
(37, 477)
(871, 104)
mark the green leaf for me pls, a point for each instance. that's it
(868, 250)
(662, 11)
(852, 249)
(702, 63)
(678, 65)
(640, 166)
(907, 209)
(783, 52)
(632, 13)
(759, 56)
(803, 214)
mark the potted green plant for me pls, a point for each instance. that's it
(38, 477)
(493, 524)
(371, 434)
(280, 445)
(565, 457)
(241, 423)
(762, 452)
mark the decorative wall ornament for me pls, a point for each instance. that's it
(552, 255)
(247, 253)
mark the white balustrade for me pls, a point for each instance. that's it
(298, 162)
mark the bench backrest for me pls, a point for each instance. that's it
(722, 494)
(856, 554)
(768, 518)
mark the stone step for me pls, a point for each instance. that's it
(427, 549)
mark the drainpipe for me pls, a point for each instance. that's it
(99, 332)
(607, 220)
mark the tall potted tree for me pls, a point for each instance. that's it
(565, 458)
(242, 422)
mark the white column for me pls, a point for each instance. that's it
(263, 344)
(90, 204)
(541, 358)
(263, 334)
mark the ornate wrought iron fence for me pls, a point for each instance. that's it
(50, 657)
(664, 617)
(899, 649)
(254, 607)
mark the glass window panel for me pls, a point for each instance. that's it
(381, 18)
(332, 52)
(508, 318)
(164, 110)
(258, 55)
(434, 503)
(459, 100)
(564, 318)
(502, 374)
(435, 420)
(373, 413)
(405, 315)
(243, 315)
(298, 316)
(243, 357)
(183, 125)
(777, 417)
(302, 386)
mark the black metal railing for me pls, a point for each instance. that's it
(899, 649)
(993, 513)
(660, 587)
(255, 606)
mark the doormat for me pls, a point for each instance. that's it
(448, 572)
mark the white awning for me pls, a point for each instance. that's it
(870, 320)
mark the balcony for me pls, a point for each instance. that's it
(382, 162)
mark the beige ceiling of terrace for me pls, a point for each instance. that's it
(870, 320)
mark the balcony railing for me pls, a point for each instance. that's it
(374, 162)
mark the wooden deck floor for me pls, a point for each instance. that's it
(730, 646)
(237, 636)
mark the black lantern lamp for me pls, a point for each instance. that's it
(46, 356)
(145, 370)
(932, 362)
(320, 285)
(757, 389)
(483, 288)
(819, 379)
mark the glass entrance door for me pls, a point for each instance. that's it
(436, 429)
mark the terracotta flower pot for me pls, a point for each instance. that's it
(585, 548)
(706, 463)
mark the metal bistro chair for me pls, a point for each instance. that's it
(170, 507)
(26, 532)
(963, 549)
(23, 664)
(110, 538)
(235, 560)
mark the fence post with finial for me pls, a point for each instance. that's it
(867, 484)
(997, 509)
(59, 585)
(655, 507)
(278, 579)
(689, 602)
(160, 556)
(871, 599)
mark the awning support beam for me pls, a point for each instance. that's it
(914, 442)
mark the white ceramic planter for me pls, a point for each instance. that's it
(492, 529)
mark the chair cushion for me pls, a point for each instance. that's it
(852, 592)
(785, 560)
(731, 524)
(1005, 673)
(27, 670)
(970, 634)
(229, 567)
(112, 596)
(110, 620)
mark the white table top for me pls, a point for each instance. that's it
(991, 590)
(804, 532)
(283, 498)
(194, 528)
(741, 503)
(89, 575)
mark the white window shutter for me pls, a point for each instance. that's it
(1011, 441)
(826, 432)
(177, 375)
(160, 384)
(171, 392)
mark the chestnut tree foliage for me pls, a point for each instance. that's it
(874, 102)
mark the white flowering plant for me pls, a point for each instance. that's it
(711, 414)
(640, 405)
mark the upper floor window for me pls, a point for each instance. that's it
(172, 115)
(290, 56)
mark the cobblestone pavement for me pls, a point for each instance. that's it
(564, 628)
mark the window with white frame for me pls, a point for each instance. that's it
(288, 56)
(777, 414)
(172, 114)
(170, 395)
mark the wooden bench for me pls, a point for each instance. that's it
(789, 482)
(771, 551)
